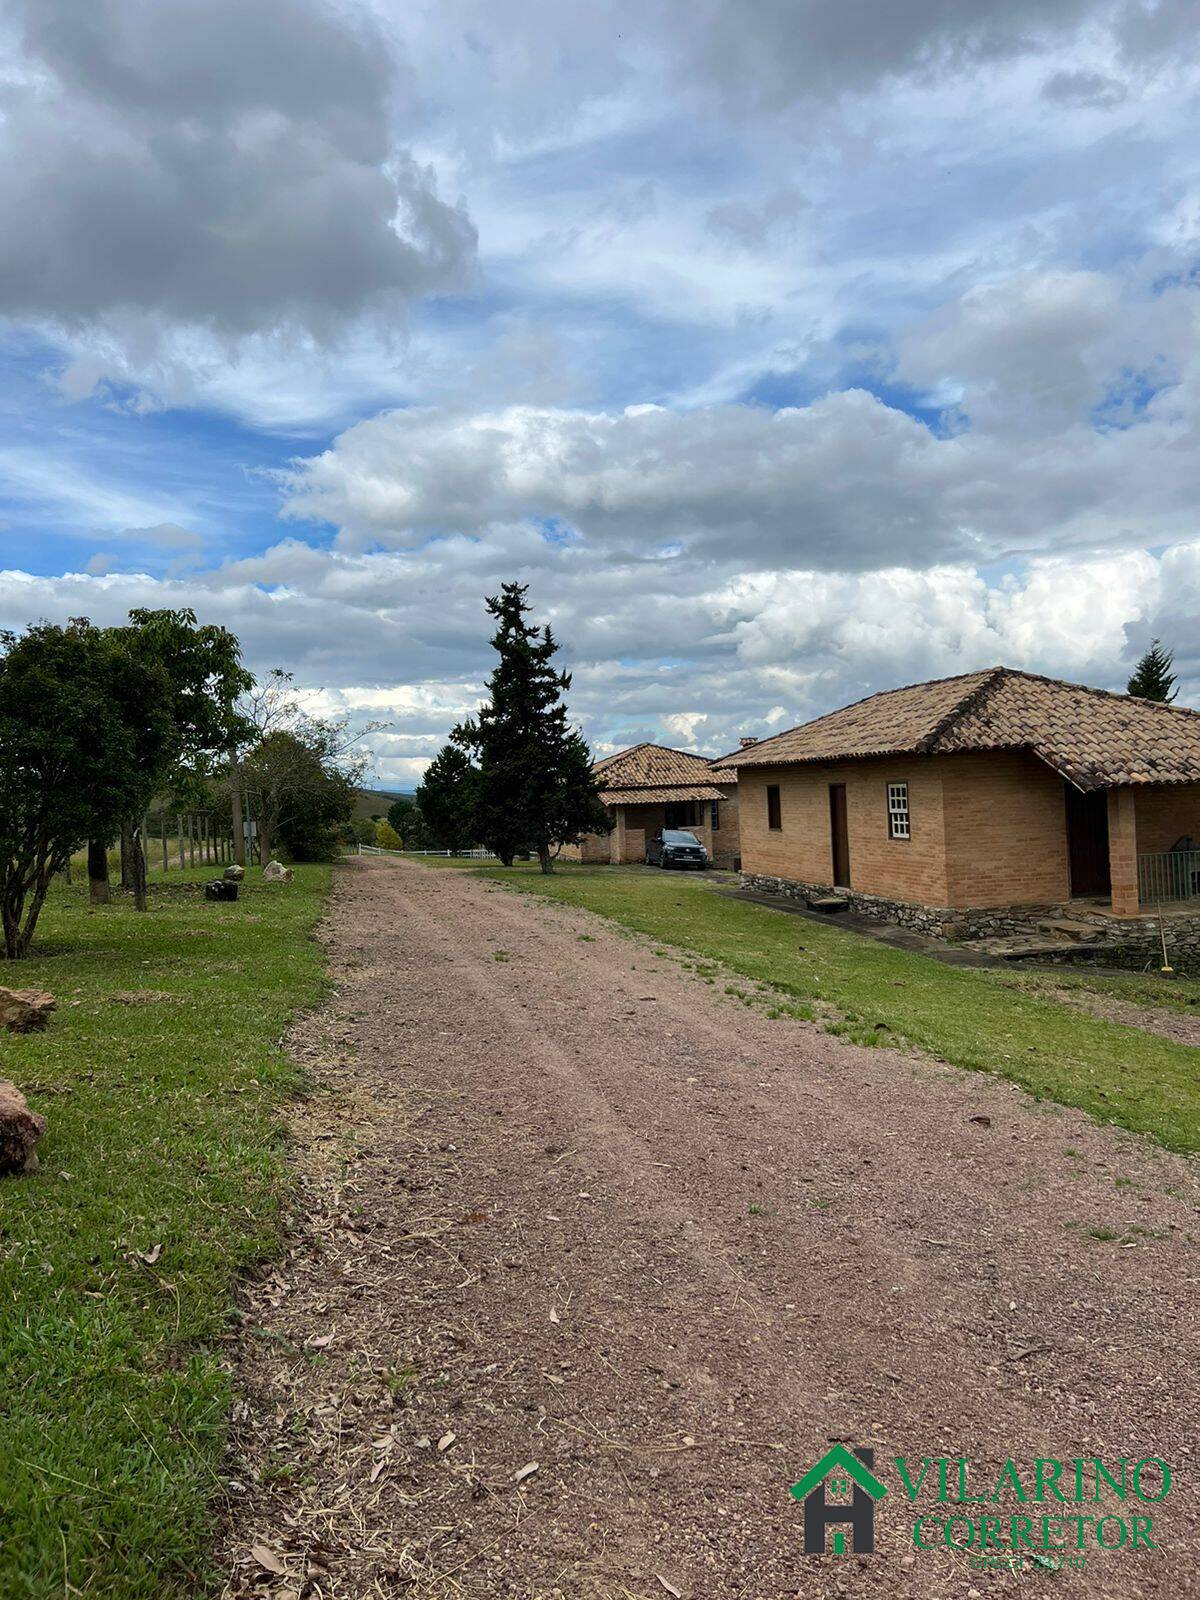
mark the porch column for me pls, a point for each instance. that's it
(616, 839)
(1122, 852)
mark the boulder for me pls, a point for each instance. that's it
(20, 1130)
(25, 1010)
(276, 872)
(220, 889)
(234, 874)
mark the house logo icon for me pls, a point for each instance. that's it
(839, 1471)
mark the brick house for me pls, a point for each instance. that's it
(649, 787)
(996, 789)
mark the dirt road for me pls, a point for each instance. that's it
(566, 1204)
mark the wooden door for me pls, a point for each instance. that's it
(841, 835)
(1087, 841)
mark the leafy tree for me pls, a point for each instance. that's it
(446, 800)
(535, 787)
(386, 836)
(203, 676)
(301, 783)
(405, 816)
(1152, 677)
(314, 815)
(302, 772)
(84, 725)
(362, 830)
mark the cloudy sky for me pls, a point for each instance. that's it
(788, 349)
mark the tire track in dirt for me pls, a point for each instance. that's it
(753, 1238)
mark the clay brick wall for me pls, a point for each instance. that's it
(902, 869)
(1006, 830)
(725, 844)
(987, 829)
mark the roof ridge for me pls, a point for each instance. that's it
(649, 744)
(1102, 694)
(969, 702)
(644, 744)
(878, 694)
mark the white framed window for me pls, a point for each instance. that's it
(897, 797)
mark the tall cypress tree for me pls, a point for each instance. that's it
(1152, 677)
(535, 789)
(446, 799)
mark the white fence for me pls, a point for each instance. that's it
(464, 855)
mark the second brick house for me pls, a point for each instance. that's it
(994, 789)
(649, 787)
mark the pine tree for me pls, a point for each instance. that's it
(446, 800)
(535, 789)
(1152, 678)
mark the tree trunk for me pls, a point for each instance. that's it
(264, 844)
(97, 857)
(33, 910)
(21, 897)
(235, 802)
(191, 822)
(11, 901)
(139, 866)
(162, 817)
(545, 859)
(127, 854)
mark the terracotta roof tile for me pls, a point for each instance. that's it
(655, 767)
(1094, 738)
(651, 797)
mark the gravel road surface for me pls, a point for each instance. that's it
(565, 1204)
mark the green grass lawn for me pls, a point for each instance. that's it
(1180, 994)
(161, 1177)
(876, 994)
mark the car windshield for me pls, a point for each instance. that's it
(679, 836)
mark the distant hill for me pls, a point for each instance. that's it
(372, 802)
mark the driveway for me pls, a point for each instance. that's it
(593, 1261)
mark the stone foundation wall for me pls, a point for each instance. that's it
(1133, 943)
(943, 921)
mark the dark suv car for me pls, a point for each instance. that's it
(676, 847)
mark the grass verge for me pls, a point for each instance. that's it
(1180, 994)
(876, 994)
(160, 1179)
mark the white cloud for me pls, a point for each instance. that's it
(403, 637)
(988, 208)
(212, 166)
(1068, 446)
(1038, 351)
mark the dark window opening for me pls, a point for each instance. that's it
(716, 816)
(774, 814)
(681, 814)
